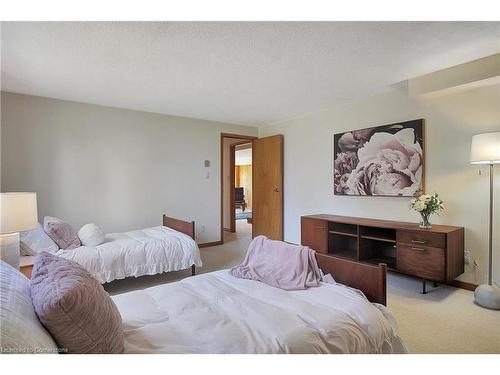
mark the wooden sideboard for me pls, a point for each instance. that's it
(435, 254)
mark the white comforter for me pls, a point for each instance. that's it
(218, 313)
(136, 253)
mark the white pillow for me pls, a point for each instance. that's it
(20, 329)
(35, 241)
(91, 235)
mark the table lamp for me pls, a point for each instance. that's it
(485, 149)
(18, 213)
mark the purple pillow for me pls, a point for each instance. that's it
(61, 233)
(74, 307)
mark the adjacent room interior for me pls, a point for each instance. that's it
(237, 184)
(243, 185)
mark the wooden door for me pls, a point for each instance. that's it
(314, 233)
(267, 181)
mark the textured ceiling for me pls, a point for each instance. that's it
(251, 73)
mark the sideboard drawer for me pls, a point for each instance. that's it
(421, 238)
(422, 261)
(314, 233)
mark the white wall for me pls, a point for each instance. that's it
(118, 168)
(451, 120)
(243, 157)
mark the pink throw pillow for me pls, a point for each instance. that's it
(61, 233)
(74, 307)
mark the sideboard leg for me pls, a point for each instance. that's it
(435, 284)
(423, 287)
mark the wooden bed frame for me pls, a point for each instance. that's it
(186, 227)
(370, 279)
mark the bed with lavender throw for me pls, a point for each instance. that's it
(220, 313)
(279, 264)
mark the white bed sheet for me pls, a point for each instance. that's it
(136, 253)
(218, 313)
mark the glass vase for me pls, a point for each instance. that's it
(425, 223)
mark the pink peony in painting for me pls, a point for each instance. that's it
(380, 161)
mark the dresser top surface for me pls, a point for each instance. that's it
(383, 223)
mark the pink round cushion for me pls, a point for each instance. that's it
(72, 305)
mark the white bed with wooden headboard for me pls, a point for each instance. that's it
(219, 313)
(149, 251)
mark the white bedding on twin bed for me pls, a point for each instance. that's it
(136, 253)
(218, 313)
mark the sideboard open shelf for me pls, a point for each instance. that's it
(435, 254)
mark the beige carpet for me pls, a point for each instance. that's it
(445, 320)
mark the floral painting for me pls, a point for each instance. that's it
(380, 161)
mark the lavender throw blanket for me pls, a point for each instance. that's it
(276, 263)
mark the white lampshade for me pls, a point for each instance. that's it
(485, 148)
(18, 212)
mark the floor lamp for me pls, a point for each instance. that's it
(18, 212)
(485, 149)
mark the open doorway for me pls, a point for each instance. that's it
(263, 196)
(241, 199)
(236, 203)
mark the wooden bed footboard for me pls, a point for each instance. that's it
(370, 279)
(186, 227)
